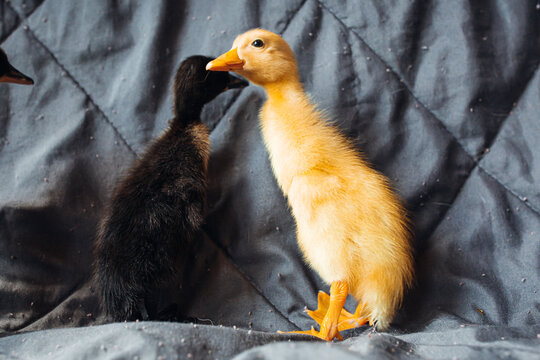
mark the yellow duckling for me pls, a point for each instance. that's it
(351, 227)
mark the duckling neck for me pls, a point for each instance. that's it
(290, 126)
(280, 91)
(186, 114)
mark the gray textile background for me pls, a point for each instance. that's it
(442, 97)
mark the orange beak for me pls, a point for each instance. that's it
(226, 62)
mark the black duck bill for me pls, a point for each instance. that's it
(14, 76)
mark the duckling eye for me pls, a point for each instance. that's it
(257, 43)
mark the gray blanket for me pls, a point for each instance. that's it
(442, 97)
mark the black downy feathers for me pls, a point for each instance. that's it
(158, 207)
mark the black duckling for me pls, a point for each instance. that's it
(11, 75)
(158, 207)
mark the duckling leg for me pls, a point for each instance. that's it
(346, 319)
(329, 323)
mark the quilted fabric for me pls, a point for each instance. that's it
(442, 97)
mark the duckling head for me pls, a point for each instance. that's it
(260, 56)
(194, 86)
(9, 74)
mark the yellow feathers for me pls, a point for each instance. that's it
(351, 227)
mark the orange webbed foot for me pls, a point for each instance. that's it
(330, 312)
(312, 332)
(346, 319)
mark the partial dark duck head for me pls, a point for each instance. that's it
(11, 75)
(195, 84)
